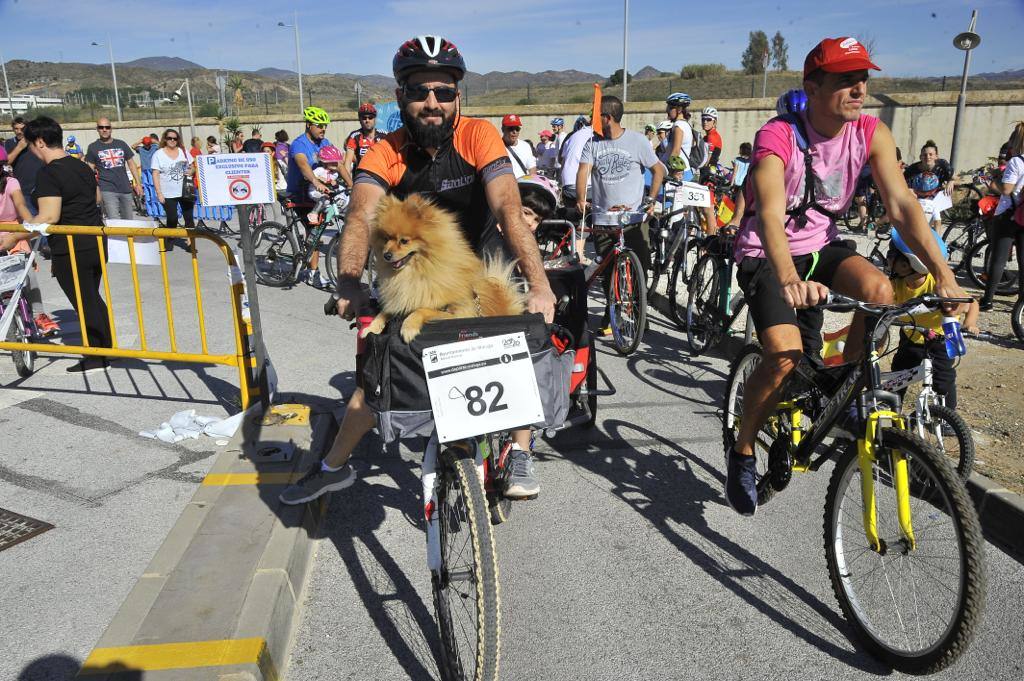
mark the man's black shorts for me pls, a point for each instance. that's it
(764, 296)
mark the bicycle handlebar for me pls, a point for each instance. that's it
(837, 302)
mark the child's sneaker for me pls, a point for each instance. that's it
(46, 325)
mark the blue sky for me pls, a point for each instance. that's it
(913, 37)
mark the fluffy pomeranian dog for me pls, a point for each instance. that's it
(426, 269)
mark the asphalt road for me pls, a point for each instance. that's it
(628, 566)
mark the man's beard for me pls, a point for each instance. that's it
(426, 135)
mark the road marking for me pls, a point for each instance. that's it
(230, 479)
(187, 655)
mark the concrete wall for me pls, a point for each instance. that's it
(913, 118)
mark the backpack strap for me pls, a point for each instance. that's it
(809, 200)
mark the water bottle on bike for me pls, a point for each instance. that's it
(954, 337)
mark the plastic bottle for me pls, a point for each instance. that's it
(954, 337)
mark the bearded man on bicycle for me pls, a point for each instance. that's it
(461, 164)
(785, 248)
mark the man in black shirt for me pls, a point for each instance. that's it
(25, 164)
(66, 194)
(254, 144)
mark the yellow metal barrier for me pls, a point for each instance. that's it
(243, 357)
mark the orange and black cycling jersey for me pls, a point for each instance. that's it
(360, 143)
(454, 177)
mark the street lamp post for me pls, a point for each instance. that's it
(298, 55)
(966, 41)
(625, 51)
(113, 72)
(10, 102)
(188, 96)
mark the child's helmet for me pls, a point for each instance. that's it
(330, 154)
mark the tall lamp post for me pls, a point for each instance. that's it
(298, 55)
(188, 95)
(113, 72)
(10, 102)
(625, 51)
(966, 41)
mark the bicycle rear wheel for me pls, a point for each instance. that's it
(913, 606)
(977, 269)
(958, 242)
(24, 361)
(465, 588)
(732, 415)
(627, 305)
(702, 303)
(275, 254)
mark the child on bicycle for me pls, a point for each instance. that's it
(328, 172)
(910, 279)
(14, 209)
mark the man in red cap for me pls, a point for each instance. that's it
(786, 249)
(519, 152)
(360, 141)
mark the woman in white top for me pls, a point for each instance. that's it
(172, 168)
(1004, 230)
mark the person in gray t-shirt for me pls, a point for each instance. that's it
(616, 164)
(113, 159)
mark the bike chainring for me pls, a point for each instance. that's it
(780, 464)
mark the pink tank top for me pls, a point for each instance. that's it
(837, 162)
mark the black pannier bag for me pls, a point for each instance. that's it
(396, 388)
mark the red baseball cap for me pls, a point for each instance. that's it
(511, 121)
(838, 55)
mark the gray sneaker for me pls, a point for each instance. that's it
(316, 483)
(522, 480)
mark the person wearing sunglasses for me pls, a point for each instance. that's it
(360, 141)
(110, 158)
(519, 152)
(461, 164)
(302, 155)
(172, 169)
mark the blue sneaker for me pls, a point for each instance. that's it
(741, 483)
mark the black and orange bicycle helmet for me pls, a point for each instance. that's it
(427, 52)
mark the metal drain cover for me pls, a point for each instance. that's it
(16, 528)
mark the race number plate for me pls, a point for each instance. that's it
(691, 194)
(482, 386)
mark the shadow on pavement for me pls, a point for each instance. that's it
(351, 523)
(64, 668)
(662, 485)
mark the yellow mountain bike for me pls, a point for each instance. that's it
(902, 539)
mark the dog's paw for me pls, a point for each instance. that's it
(376, 326)
(410, 329)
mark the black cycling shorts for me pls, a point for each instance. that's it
(764, 295)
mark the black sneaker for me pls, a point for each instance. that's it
(88, 365)
(741, 483)
(317, 482)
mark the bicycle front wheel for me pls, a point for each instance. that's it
(977, 269)
(627, 305)
(465, 588)
(333, 246)
(914, 605)
(24, 360)
(949, 434)
(1017, 318)
(683, 264)
(702, 303)
(275, 254)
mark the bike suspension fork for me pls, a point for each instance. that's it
(428, 476)
(867, 457)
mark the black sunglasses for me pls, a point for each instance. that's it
(367, 116)
(419, 93)
(171, 139)
(103, 127)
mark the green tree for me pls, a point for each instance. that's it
(753, 56)
(616, 78)
(780, 52)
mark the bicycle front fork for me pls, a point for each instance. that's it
(428, 477)
(867, 458)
